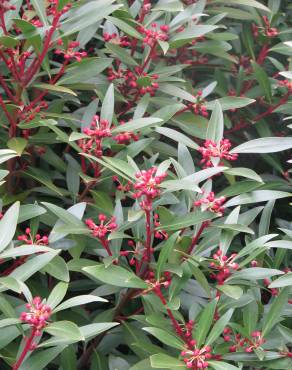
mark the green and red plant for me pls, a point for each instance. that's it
(145, 218)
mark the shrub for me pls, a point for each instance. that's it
(146, 219)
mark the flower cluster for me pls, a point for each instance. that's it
(189, 328)
(197, 358)
(128, 83)
(274, 291)
(38, 315)
(212, 150)
(147, 184)
(153, 35)
(29, 112)
(267, 30)
(223, 266)
(29, 239)
(239, 342)
(211, 203)
(134, 253)
(54, 11)
(199, 106)
(126, 136)
(156, 285)
(99, 129)
(287, 84)
(120, 186)
(70, 53)
(5, 6)
(115, 39)
(103, 228)
(159, 234)
(17, 58)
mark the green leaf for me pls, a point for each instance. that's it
(162, 361)
(84, 70)
(57, 294)
(41, 359)
(92, 330)
(121, 53)
(115, 275)
(190, 33)
(86, 15)
(64, 215)
(125, 27)
(265, 220)
(177, 136)
(285, 244)
(219, 327)
(6, 154)
(263, 80)
(8, 282)
(33, 265)
(137, 124)
(216, 124)
(39, 6)
(232, 291)
(8, 41)
(24, 250)
(78, 301)
(28, 211)
(220, 365)
(244, 172)
(8, 225)
(17, 144)
(256, 196)
(43, 178)
(205, 322)
(165, 337)
(103, 201)
(9, 322)
(55, 88)
(275, 310)
(264, 145)
(68, 358)
(77, 136)
(200, 277)
(190, 219)
(230, 102)
(252, 3)
(65, 329)
(177, 92)
(58, 269)
(255, 273)
(166, 250)
(282, 281)
(235, 227)
(108, 104)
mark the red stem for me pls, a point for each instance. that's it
(263, 54)
(26, 349)
(6, 89)
(11, 68)
(272, 108)
(9, 117)
(148, 59)
(148, 235)
(105, 244)
(182, 111)
(52, 82)
(175, 324)
(3, 25)
(39, 59)
(197, 237)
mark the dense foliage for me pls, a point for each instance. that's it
(145, 184)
